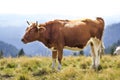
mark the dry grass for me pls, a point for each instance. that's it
(74, 68)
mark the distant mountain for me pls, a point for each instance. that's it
(111, 34)
(8, 49)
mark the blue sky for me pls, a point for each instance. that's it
(83, 8)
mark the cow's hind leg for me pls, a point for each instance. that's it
(95, 47)
(101, 50)
(60, 55)
(54, 56)
(93, 55)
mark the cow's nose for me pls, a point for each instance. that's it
(22, 40)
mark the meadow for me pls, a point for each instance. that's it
(74, 68)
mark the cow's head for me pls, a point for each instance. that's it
(33, 32)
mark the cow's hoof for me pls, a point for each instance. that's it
(96, 68)
(59, 68)
(99, 68)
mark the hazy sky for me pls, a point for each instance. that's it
(61, 7)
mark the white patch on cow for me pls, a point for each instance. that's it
(53, 63)
(62, 22)
(73, 23)
(73, 48)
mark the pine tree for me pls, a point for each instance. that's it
(81, 52)
(112, 49)
(1, 54)
(74, 54)
(21, 53)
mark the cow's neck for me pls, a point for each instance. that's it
(49, 37)
(46, 37)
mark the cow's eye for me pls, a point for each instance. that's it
(32, 31)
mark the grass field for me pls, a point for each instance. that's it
(74, 68)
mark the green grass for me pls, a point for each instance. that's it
(74, 68)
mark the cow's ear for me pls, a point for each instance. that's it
(41, 29)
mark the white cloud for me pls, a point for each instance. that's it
(61, 7)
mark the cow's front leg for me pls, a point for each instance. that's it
(54, 56)
(60, 55)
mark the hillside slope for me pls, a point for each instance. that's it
(112, 34)
(8, 49)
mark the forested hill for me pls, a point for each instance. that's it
(8, 49)
(112, 34)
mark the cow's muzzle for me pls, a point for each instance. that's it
(23, 40)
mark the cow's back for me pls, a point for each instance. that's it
(78, 35)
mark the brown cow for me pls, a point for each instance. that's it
(71, 34)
